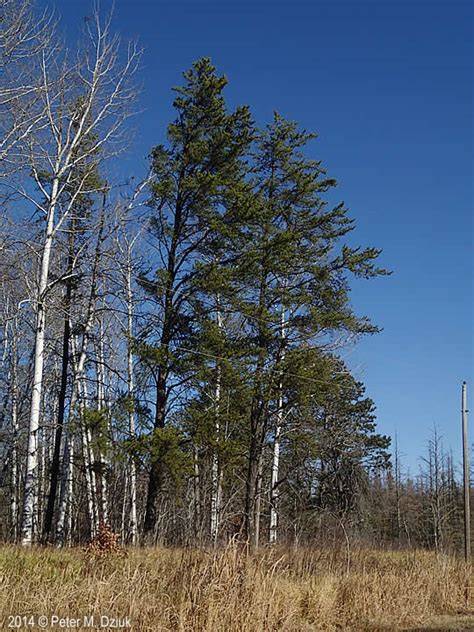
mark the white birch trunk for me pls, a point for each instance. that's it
(275, 474)
(103, 506)
(31, 472)
(216, 492)
(70, 489)
(66, 466)
(124, 509)
(66, 493)
(41, 484)
(258, 501)
(273, 532)
(88, 457)
(197, 494)
(14, 481)
(132, 475)
(79, 392)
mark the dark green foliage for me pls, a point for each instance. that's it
(243, 231)
(98, 422)
(192, 176)
(285, 253)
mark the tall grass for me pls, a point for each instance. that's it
(227, 591)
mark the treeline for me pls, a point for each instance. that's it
(170, 345)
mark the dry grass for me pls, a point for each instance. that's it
(191, 590)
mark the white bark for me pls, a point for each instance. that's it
(31, 473)
(38, 511)
(79, 395)
(79, 392)
(258, 501)
(276, 448)
(197, 493)
(126, 247)
(70, 489)
(14, 465)
(275, 475)
(64, 528)
(132, 525)
(14, 481)
(101, 407)
(216, 492)
(88, 458)
(66, 466)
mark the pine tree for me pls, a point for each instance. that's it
(288, 253)
(191, 175)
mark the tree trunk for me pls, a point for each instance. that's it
(275, 473)
(132, 523)
(156, 479)
(101, 407)
(197, 496)
(70, 490)
(258, 503)
(14, 480)
(252, 484)
(55, 463)
(272, 538)
(156, 472)
(65, 499)
(216, 472)
(88, 456)
(31, 471)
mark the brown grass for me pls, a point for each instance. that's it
(229, 591)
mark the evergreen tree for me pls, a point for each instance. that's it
(289, 255)
(191, 175)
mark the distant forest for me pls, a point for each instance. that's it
(172, 344)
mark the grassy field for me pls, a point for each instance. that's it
(229, 591)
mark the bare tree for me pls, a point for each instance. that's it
(86, 103)
(24, 36)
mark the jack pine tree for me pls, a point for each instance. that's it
(288, 253)
(191, 176)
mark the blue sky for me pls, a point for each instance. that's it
(387, 85)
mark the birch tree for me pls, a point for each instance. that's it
(275, 473)
(216, 491)
(126, 246)
(88, 98)
(79, 398)
(25, 34)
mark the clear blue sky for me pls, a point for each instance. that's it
(387, 85)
